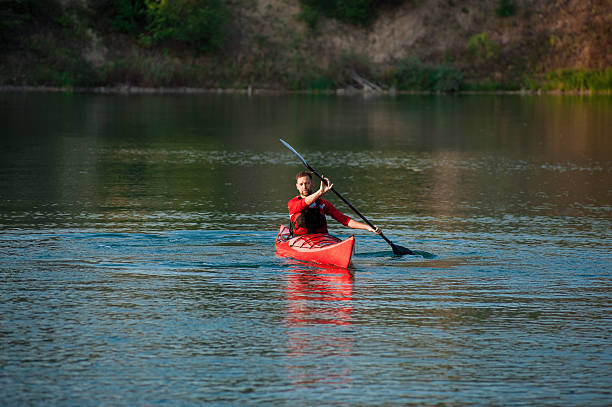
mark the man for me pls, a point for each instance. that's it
(307, 210)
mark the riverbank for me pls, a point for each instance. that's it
(135, 90)
(271, 46)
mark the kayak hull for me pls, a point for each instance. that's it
(317, 248)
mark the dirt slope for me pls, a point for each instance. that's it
(541, 35)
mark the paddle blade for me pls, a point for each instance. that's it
(401, 250)
(295, 152)
(423, 254)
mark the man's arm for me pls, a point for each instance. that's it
(358, 225)
(325, 187)
(347, 221)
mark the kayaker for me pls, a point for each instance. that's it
(307, 210)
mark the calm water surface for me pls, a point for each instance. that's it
(138, 266)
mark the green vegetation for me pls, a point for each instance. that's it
(482, 48)
(491, 85)
(126, 16)
(570, 80)
(506, 8)
(307, 75)
(176, 43)
(312, 81)
(18, 17)
(197, 23)
(43, 44)
(154, 70)
(360, 12)
(412, 75)
(45, 41)
(309, 15)
(351, 11)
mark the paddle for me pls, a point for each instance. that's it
(398, 250)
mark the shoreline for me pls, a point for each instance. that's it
(251, 91)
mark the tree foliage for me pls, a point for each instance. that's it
(482, 48)
(349, 11)
(126, 16)
(19, 16)
(198, 23)
(506, 8)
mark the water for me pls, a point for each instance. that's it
(138, 267)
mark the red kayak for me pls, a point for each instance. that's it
(317, 248)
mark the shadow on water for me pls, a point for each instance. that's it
(389, 253)
(377, 259)
(424, 254)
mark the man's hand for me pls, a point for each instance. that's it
(376, 230)
(325, 186)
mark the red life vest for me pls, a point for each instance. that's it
(310, 220)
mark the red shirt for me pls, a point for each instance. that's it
(297, 205)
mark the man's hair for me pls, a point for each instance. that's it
(303, 174)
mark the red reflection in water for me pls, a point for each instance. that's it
(319, 307)
(320, 295)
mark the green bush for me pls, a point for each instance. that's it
(447, 78)
(352, 11)
(198, 23)
(482, 48)
(349, 11)
(310, 81)
(18, 17)
(309, 15)
(126, 16)
(506, 8)
(412, 75)
(571, 80)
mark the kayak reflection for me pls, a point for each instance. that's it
(318, 294)
(319, 307)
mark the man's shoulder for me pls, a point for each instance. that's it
(295, 201)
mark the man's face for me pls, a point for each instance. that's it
(304, 186)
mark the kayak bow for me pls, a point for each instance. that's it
(317, 248)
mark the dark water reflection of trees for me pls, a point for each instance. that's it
(204, 161)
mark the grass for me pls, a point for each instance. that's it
(412, 75)
(570, 80)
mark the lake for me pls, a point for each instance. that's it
(138, 263)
